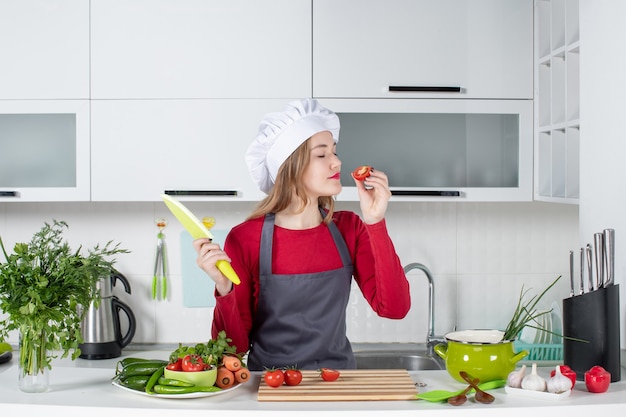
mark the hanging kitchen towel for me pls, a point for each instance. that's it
(198, 288)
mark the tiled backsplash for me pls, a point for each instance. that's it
(480, 255)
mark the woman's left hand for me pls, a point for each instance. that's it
(374, 195)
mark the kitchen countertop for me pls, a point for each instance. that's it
(83, 388)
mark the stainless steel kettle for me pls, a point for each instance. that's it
(101, 329)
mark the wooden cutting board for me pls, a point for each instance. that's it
(352, 385)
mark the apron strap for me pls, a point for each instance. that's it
(342, 247)
(267, 241)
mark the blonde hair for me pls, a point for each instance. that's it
(289, 185)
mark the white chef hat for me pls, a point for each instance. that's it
(281, 133)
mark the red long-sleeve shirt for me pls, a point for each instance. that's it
(377, 268)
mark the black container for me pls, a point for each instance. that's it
(593, 317)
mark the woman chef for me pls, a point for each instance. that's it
(296, 256)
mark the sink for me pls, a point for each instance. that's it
(411, 361)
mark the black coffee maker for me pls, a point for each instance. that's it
(101, 329)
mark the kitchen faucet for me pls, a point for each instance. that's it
(431, 339)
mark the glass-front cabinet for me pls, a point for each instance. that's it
(44, 150)
(455, 150)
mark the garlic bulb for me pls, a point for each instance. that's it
(534, 382)
(514, 380)
(559, 383)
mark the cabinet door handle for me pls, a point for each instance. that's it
(202, 193)
(9, 194)
(426, 193)
(424, 89)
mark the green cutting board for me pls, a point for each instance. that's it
(198, 288)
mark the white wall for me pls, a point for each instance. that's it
(603, 142)
(479, 253)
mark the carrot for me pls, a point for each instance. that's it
(242, 375)
(232, 363)
(225, 378)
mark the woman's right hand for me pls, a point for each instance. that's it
(208, 255)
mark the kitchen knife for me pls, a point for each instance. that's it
(598, 241)
(571, 272)
(590, 267)
(609, 251)
(197, 230)
(582, 272)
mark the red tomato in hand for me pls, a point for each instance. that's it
(193, 363)
(293, 376)
(329, 374)
(566, 371)
(362, 172)
(274, 377)
(175, 366)
(597, 379)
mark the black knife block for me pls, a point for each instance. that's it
(594, 318)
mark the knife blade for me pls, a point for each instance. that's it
(197, 230)
(609, 251)
(581, 290)
(571, 272)
(598, 241)
(590, 267)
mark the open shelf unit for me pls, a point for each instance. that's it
(557, 101)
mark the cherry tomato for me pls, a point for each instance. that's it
(597, 379)
(329, 374)
(193, 363)
(362, 172)
(274, 377)
(568, 372)
(293, 376)
(175, 366)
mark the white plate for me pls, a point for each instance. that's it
(177, 396)
(528, 335)
(546, 336)
(536, 394)
(540, 323)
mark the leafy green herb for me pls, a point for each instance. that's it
(211, 351)
(526, 313)
(45, 289)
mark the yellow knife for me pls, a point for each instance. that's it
(197, 230)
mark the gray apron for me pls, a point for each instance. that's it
(301, 318)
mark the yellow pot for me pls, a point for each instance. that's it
(481, 353)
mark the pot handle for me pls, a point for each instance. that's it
(132, 324)
(441, 349)
(519, 356)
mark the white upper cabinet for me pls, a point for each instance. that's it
(200, 49)
(427, 49)
(192, 148)
(44, 48)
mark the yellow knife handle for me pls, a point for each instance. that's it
(228, 271)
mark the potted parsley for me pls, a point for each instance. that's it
(43, 286)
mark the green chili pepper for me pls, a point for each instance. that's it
(174, 382)
(154, 379)
(170, 389)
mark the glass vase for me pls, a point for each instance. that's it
(33, 372)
